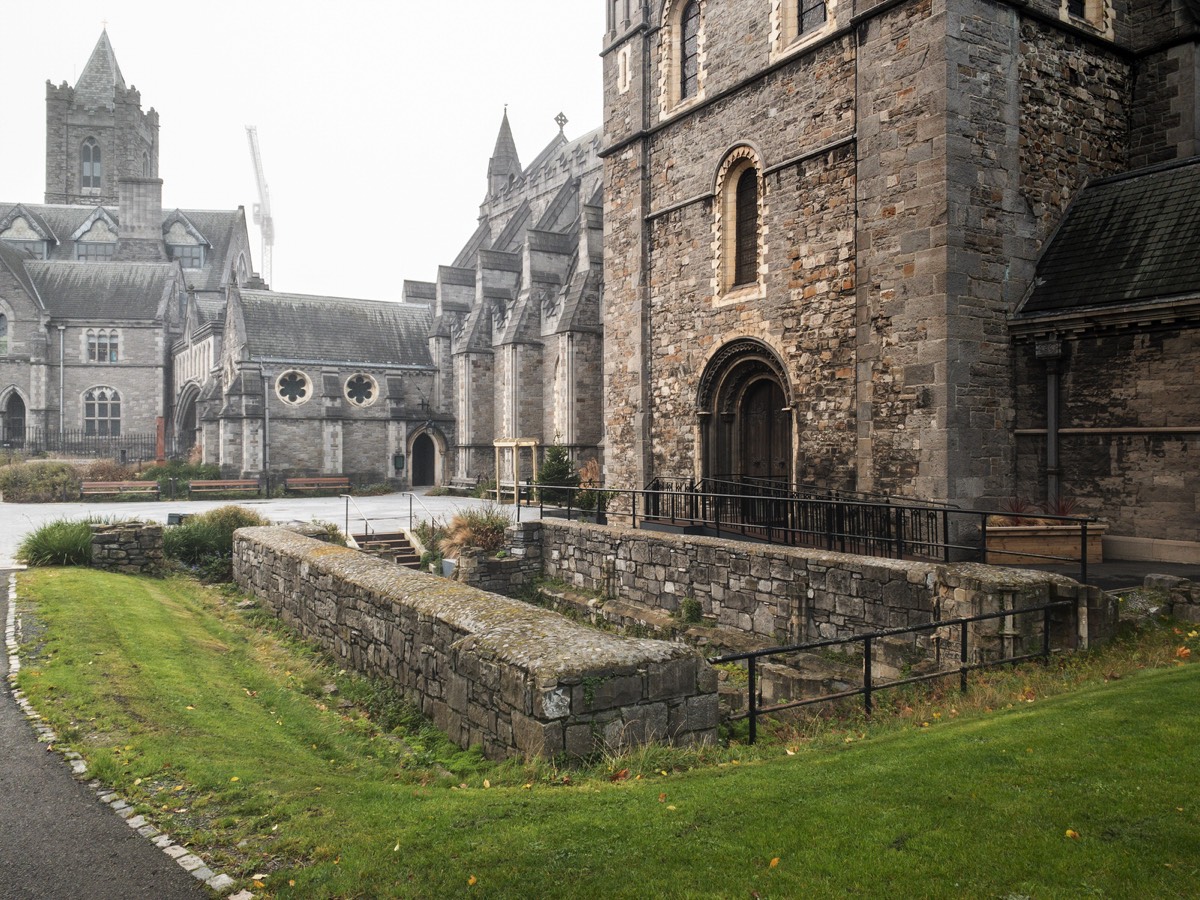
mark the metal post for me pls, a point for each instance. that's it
(347, 532)
(946, 535)
(1083, 552)
(753, 700)
(867, 674)
(1046, 634)
(899, 532)
(962, 657)
(983, 537)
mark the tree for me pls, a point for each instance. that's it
(557, 471)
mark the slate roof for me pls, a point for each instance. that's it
(15, 263)
(97, 85)
(104, 292)
(1130, 239)
(302, 327)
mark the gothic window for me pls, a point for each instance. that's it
(90, 166)
(95, 251)
(293, 387)
(746, 228)
(102, 346)
(102, 412)
(689, 50)
(811, 15)
(361, 390)
(3, 335)
(190, 256)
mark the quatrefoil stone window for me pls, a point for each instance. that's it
(293, 387)
(361, 390)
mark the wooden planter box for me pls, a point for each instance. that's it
(1047, 540)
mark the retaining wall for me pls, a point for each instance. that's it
(488, 670)
(129, 547)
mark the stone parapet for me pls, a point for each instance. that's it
(135, 548)
(493, 672)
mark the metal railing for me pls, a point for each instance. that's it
(890, 528)
(126, 448)
(870, 686)
(368, 530)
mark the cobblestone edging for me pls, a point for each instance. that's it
(190, 862)
(512, 678)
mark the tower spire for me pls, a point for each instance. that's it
(504, 166)
(97, 85)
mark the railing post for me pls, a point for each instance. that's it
(962, 657)
(867, 684)
(1083, 552)
(752, 702)
(899, 532)
(982, 537)
(946, 535)
(1046, 635)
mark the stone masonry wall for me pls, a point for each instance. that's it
(489, 671)
(135, 548)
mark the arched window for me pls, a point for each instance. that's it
(745, 253)
(90, 165)
(102, 412)
(3, 335)
(103, 346)
(145, 165)
(739, 208)
(689, 50)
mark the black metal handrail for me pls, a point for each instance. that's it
(892, 529)
(870, 687)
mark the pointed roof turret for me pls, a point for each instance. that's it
(101, 77)
(505, 166)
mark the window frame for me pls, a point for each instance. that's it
(95, 251)
(374, 389)
(95, 425)
(103, 345)
(91, 166)
(195, 252)
(302, 397)
(672, 96)
(732, 237)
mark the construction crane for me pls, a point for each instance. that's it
(262, 209)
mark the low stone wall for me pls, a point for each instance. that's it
(489, 671)
(785, 595)
(131, 547)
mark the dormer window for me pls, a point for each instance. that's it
(190, 256)
(95, 251)
(91, 168)
(99, 242)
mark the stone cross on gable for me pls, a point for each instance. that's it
(561, 121)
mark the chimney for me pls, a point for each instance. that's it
(139, 214)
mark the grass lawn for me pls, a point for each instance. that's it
(222, 730)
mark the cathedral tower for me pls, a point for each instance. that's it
(96, 133)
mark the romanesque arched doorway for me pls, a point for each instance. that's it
(746, 413)
(424, 461)
(12, 420)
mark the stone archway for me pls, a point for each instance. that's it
(746, 416)
(187, 422)
(424, 461)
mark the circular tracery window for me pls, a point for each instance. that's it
(293, 387)
(361, 390)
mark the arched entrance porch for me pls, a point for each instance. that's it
(745, 406)
(12, 420)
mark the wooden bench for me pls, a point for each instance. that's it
(323, 483)
(98, 488)
(228, 486)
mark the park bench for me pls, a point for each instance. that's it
(226, 486)
(322, 483)
(100, 488)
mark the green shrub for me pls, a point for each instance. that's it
(39, 482)
(690, 610)
(481, 529)
(62, 542)
(108, 470)
(557, 469)
(205, 542)
(484, 489)
(330, 533)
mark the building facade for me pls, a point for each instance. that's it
(819, 218)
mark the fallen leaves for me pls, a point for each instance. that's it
(619, 776)
(1072, 834)
(1183, 652)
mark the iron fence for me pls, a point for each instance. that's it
(870, 686)
(125, 448)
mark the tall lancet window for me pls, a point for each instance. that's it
(90, 166)
(689, 46)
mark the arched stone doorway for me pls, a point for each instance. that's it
(746, 416)
(424, 461)
(187, 423)
(12, 420)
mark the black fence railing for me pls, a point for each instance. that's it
(125, 448)
(886, 527)
(870, 686)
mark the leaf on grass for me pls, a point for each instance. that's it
(774, 862)
(471, 881)
(486, 783)
(1183, 652)
(234, 778)
(619, 776)
(396, 849)
(662, 798)
(1073, 834)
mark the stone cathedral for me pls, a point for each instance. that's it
(941, 249)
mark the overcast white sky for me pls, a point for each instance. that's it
(375, 118)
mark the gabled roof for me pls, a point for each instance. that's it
(101, 77)
(105, 292)
(1130, 239)
(98, 213)
(35, 222)
(305, 328)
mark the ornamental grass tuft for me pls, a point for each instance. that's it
(62, 542)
